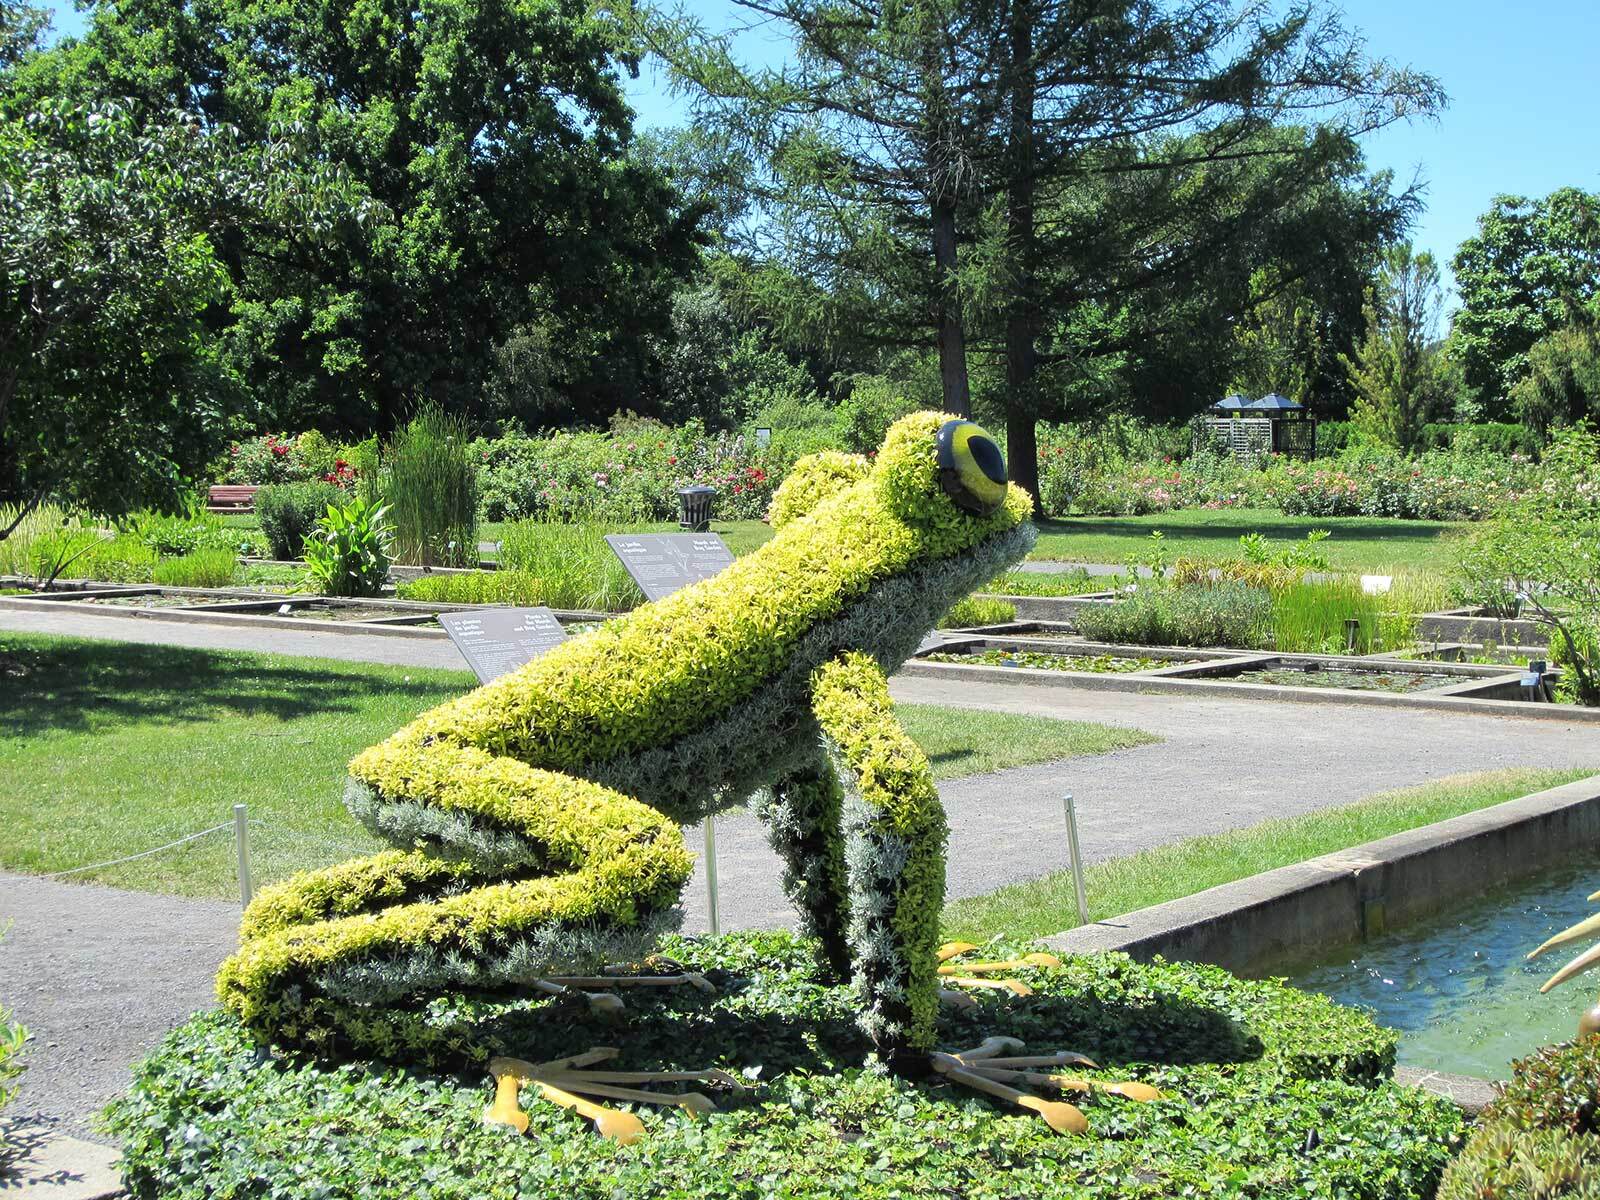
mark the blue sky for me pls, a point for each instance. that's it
(1520, 118)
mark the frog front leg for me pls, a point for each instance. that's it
(893, 830)
(801, 815)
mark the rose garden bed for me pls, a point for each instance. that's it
(1268, 1092)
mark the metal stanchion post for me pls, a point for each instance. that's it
(241, 838)
(711, 874)
(1069, 810)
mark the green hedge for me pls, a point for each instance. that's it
(1541, 1136)
(1270, 1093)
(288, 512)
(1500, 437)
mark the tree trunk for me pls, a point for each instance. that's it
(951, 332)
(1022, 446)
(1022, 454)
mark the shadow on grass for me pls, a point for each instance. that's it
(74, 684)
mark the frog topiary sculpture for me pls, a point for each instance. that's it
(536, 815)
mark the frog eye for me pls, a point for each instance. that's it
(972, 470)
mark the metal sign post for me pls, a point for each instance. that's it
(241, 838)
(711, 874)
(1069, 811)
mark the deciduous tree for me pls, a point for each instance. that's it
(1532, 267)
(492, 139)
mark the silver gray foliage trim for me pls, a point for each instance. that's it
(771, 732)
(539, 953)
(442, 833)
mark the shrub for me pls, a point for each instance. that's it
(1439, 485)
(347, 554)
(289, 512)
(974, 611)
(203, 569)
(183, 533)
(1541, 1136)
(431, 485)
(1545, 550)
(1272, 1093)
(1221, 614)
(478, 587)
(268, 458)
(573, 563)
(628, 475)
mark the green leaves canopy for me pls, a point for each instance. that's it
(1532, 267)
(109, 392)
(490, 139)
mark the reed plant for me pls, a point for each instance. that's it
(201, 568)
(431, 485)
(577, 567)
(478, 587)
(1336, 616)
(16, 550)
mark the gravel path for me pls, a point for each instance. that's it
(100, 974)
(350, 647)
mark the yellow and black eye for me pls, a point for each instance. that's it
(972, 470)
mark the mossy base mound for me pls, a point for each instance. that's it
(1270, 1092)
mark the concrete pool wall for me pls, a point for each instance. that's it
(1255, 924)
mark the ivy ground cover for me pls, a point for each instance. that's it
(1269, 1092)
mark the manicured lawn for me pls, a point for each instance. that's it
(1044, 906)
(111, 748)
(1377, 545)
(1373, 544)
(741, 536)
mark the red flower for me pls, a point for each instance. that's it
(672, 459)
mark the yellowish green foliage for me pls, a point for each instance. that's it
(719, 688)
(812, 480)
(899, 833)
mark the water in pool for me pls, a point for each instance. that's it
(1458, 986)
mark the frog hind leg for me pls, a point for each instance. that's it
(518, 874)
(801, 816)
(893, 830)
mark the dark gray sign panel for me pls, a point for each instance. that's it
(661, 563)
(496, 641)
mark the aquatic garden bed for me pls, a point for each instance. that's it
(1397, 680)
(1267, 1091)
(1099, 664)
(1440, 685)
(1428, 925)
(1458, 986)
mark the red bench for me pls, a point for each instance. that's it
(231, 498)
